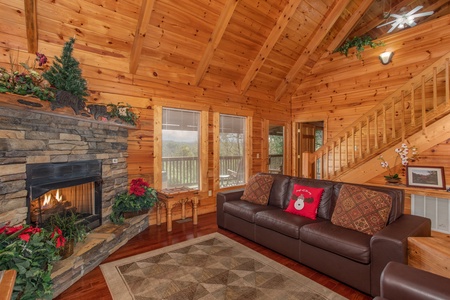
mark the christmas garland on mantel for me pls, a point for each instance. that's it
(62, 85)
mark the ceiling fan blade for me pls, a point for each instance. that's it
(412, 24)
(394, 26)
(427, 13)
(387, 23)
(413, 11)
(396, 16)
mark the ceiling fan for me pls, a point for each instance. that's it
(405, 19)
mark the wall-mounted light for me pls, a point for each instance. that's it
(386, 57)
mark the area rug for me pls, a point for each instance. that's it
(206, 268)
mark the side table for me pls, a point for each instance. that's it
(169, 198)
(431, 254)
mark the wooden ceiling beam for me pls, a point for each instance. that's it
(349, 25)
(315, 40)
(284, 18)
(215, 38)
(31, 25)
(141, 31)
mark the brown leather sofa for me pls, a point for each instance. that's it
(399, 281)
(349, 256)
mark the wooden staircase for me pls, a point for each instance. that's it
(416, 112)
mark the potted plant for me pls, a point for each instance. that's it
(72, 229)
(31, 251)
(402, 153)
(140, 198)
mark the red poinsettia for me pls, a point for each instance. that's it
(60, 239)
(138, 187)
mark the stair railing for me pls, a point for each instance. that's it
(416, 104)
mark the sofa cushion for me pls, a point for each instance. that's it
(282, 222)
(280, 190)
(344, 242)
(324, 209)
(361, 209)
(244, 210)
(304, 201)
(258, 189)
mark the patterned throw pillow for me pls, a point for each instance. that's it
(361, 209)
(258, 189)
(304, 201)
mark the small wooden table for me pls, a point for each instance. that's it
(169, 198)
(431, 254)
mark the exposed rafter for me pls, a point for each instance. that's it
(141, 31)
(312, 45)
(349, 25)
(277, 30)
(31, 25)
(214, 40)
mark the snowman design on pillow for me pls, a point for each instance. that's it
(300, 200)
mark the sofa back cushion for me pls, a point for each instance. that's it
(324, 209)
(279, 192)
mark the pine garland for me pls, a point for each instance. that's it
(65, 73)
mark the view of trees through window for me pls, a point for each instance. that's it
(276, 148)
(232, 150)
(180, 148)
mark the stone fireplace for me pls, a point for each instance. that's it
(58, 155)
(61, 188)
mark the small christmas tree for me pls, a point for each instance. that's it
(65, 73)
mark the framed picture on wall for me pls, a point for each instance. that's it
(428, 177)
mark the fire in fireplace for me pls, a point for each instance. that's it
(58, 188)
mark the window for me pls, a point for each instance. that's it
(276, 149)
(232, 142)
(180, 148)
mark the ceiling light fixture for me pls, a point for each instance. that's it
(386, 57)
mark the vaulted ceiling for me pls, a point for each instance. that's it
(243, 46)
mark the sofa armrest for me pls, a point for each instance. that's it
(391, 244)
(400, 281)
(223, 197)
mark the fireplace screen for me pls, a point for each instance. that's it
(60, 188)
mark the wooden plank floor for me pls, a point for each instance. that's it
(93, 286)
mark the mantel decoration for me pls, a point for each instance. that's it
(62, 84)
(31, 251)
(140, 198)
(403, 153)
(358, 42)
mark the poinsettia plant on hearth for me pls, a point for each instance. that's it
(139, 197)
(31, 251)
(405, 154)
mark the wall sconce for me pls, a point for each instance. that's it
(386, 57)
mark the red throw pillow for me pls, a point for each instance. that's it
(304, 201)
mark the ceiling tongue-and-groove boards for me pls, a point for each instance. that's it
(248, 48)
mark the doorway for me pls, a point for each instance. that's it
(310, 137)
(276, 149)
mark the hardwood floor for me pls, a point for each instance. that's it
(93, 286)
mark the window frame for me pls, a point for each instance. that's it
(247, 153)
(203, 144)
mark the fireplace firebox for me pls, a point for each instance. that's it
(58, 188)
